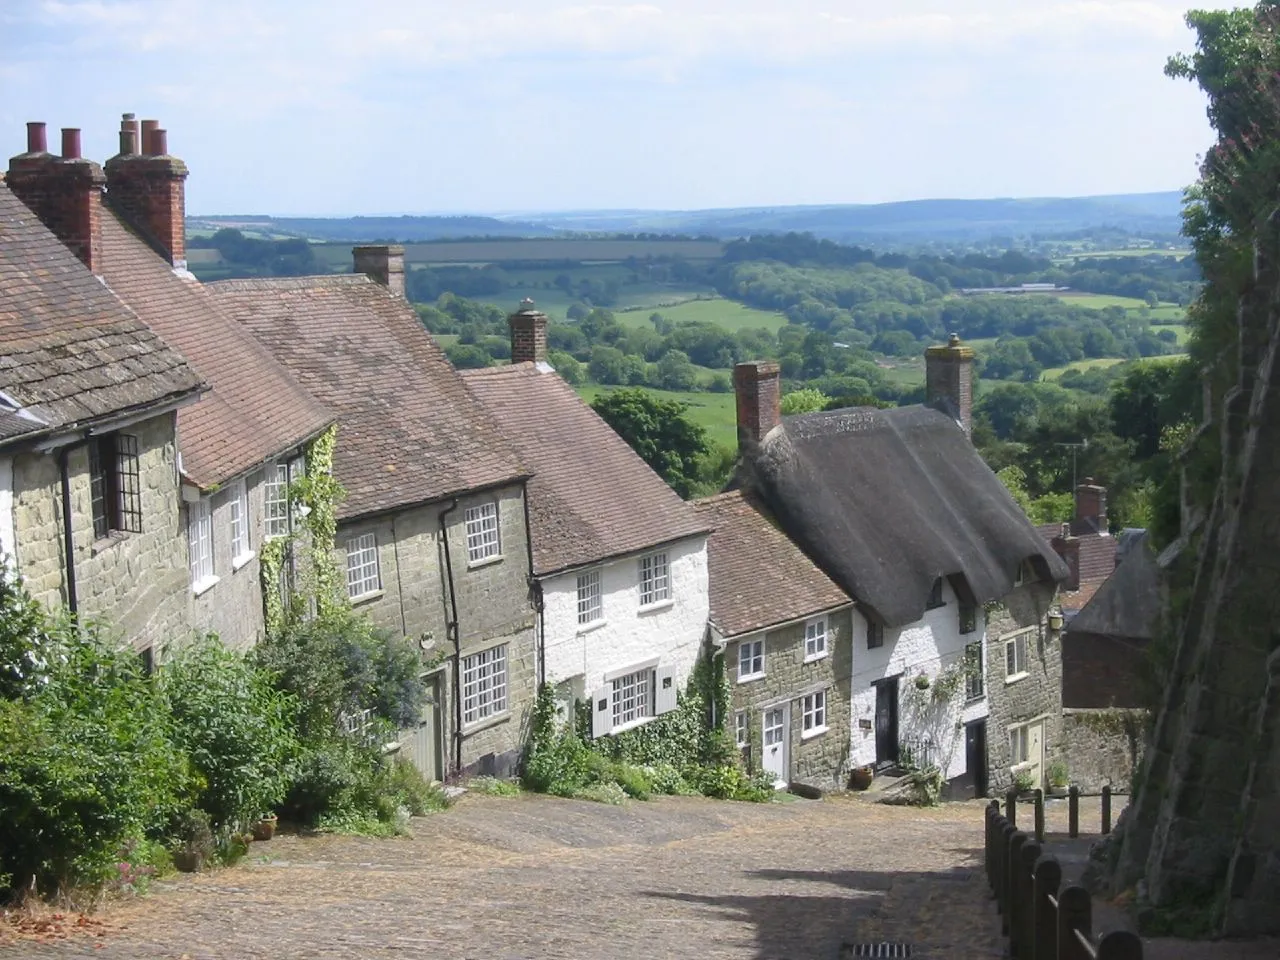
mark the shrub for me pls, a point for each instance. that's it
(632, 780)
(493, 787)
(235, 728)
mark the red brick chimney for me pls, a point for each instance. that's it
(1067, 547)
(1091, 508)
(148, 186)
(64, 192)
(528, 334)
(383, 264)
(949, 380)
(758, 390)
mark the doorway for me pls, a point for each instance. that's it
(422, 743)
(886, 722)
(975, 755)
(775, 741)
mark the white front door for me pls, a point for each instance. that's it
(777, 728)
(1035, 751)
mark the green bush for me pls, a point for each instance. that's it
(632, 780)
(493, 787)
(236, 729)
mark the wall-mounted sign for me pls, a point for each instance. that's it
(864, 724)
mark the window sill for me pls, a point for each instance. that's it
(814, 658)
(366, 597)
(751, 677)
(591, 627)
(240, 561)
(972, 700)
(1015, 677)
(630, 725)
(656, 607)
(106, 543)
(815, 732)
(486, 562)
(469, 728)
(204, 585)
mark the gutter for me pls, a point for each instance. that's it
(451, 630)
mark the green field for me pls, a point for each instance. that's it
(338, 255)
(713, 411)
(727, 313)
(1053, 373)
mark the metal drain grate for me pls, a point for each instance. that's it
(890, 950)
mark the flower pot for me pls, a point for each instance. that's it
(860, 778)
(188, 861)
(264, 829)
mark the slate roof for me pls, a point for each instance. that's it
(887, 501)
(255, 410)
(759, 578)
(409, 430)
(591, 497)
(1129, 603)
(70, 352)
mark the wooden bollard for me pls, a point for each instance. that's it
(1011, 805)
(1073, 812)
(1106, 809)
(1045, 883)
(993, 814)
(1075, 913)
(1013, 884)
(1028, 856)
(1039, 815)
(1120, 945)
(1007, 832)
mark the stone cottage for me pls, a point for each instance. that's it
(898, 509)
(433, 531)
(787, 632)
(619, 560)
(89, 485)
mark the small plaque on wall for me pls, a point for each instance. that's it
(864, 724)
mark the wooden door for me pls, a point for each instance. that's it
(887, 722)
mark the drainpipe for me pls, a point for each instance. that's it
(69, 547)
(451, 630)
(535, 587)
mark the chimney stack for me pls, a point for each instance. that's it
(65, 193)
(949, 380)
(1091, 508)
(383, 264)
(1068, 548)
(758, 390)
(528, 334)
(147, 185)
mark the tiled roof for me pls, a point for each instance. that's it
(409, 430)
(1097, 563)
(591, 496)
(69, 350)
(255, 410)
(758, 576)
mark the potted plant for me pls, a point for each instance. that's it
(265, 828)
(922, 682)
(1024, 782)
(1058, 779)
(860, 777)
(193, 840)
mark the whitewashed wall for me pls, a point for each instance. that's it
(672, 632)
(8, 543)
(928, 646)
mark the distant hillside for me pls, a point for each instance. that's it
(368, 229)
(1149, 214)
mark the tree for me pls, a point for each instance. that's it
(570, 370)
(804, 401)
(660, 432)
(466, 356)
(675, 372)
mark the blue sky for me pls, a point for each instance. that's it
(296, 107)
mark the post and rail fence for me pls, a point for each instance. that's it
(1073, 811)
(1042, 919)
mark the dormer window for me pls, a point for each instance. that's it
(1026, 573)
(935, 596)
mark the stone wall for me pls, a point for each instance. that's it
(1033, 695)
(821, 760)
(495, 606)
(1102, 747)
(137, 584)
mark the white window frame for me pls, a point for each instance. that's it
(484, 539)
(813, 713)
(742, 729)
(590, 597)
(484, 685)
(200, 544)
(751, 653)
(1019, 745)
(1017, 645)
(276, 521)
(364, 570)
(632, 698)
(655, 579)
(815, 638)
(238, 525)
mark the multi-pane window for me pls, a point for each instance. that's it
(632, 697)
(1019, 745)
(484, 684)
(742, 727)
(875, 634)
(200, 541)
(1015, 655)
(935, 595)
(363, 575)
(814, 712)
(973, 672)
(482, 532)
(968, 618)
(238, 521)
(750, 659)
(275, 500)
(815, 638)
(115, 484)
(590, 601)
(655, 579)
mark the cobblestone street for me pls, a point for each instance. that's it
(538, 877)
